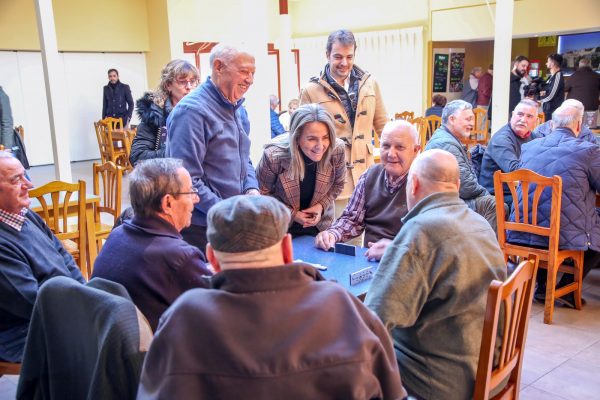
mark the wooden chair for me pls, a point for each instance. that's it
(21, 132)
(8, 368)
(480, 131)
(115, 123)
(541, 118)
(405, 115)
(106, 145)
(56, 215)
(110, 177)
(434, 122)
(526, 220)
(507, 310)
(422, 126)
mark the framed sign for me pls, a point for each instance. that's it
(440, 73)
(457, 70)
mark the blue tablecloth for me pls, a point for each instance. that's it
(339, 266)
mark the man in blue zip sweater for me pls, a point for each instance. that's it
(206, 132)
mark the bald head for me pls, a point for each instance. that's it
(433, 171)
(399, 147)
(568, 116)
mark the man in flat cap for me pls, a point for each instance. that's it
(267, 327)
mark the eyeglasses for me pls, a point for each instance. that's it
(193, 191)
(185, 83)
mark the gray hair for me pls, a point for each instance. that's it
(476, 69)
(454, 107)
(303, 115)
(565, 115)
(169, 74)
(585, 62)
(222, 51)
(344, 36)
(528, 103)
(150, 181)
(273, 100)
(573, 103)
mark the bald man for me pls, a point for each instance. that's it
(547, 127)
(431, 286)
(379, 200)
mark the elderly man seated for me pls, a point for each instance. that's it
(147, 254)
(30, 254)
(457, 124)
(577, 162)
(431, 287)
(504, 149)
(546, 128)
(379, 200)
(268, 327)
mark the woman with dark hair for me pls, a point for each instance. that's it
(439, 102)
(178, 78)
(554, 89)
(305, 169)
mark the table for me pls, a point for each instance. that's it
(91, 202)
(339, 266)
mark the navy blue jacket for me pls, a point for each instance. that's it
(577, 162)
(206, 131)
(117, 102)
(276, 127)
(149, 257)
(545, 129)
(502, 153)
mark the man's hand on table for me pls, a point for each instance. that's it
(377, 249)
(325, 240)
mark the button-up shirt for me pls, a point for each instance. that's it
(13, 220)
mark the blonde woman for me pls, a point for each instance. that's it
(305, 170)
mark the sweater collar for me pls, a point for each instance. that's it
(247, 280)
(435, 200)
(153, 225)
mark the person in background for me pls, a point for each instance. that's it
(305, 170)
(147, 254)
(470, 85)
(438, 103)
(117, 101)
(285, 116)
(584, 85)
(205, 130)
(276, 127)
(177, 79)
(30, 254)
(554, 89)
(430, 289)
(484, 94)
(378, 202)
(6, 122)
(517, 75)
(546, 128)
(268, 328)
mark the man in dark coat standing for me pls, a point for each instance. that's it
(584, 85)
(117, 101)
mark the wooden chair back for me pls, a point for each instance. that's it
(21, 131)
(405, 115)
(58, 201)
(526, 220)
(106, 144)
(422, 127)
(434, 122)
(505, 329)
(108, 183)
(479, 129)
(114, 123)
(541, 118)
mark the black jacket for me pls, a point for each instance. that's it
(584, 85)
(555, 94)
(514, 96)
(117, 102)
(149, 142)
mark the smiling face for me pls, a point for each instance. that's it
(14, 186)
(461, 123)
(341, 61)
(234, 77)
(523, 119)
(398, 150)
(314, 140)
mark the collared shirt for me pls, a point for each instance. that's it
(15, 221)
(351, 223)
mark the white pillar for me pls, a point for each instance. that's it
(502, 63)
(289, 79)
(255, 38)
(55, 90)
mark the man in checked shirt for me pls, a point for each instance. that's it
(378, 202)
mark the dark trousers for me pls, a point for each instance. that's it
(196, 236)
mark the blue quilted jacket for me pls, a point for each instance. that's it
(577, 162)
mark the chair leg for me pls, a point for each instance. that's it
(550, 289)
(578, 264)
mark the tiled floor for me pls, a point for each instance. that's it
(562, 360)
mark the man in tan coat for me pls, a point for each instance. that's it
(353, 99)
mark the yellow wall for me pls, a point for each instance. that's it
(160, 47)
(317, 17)
(81, 25)
(476, 22)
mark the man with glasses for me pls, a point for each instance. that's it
(117, 101)
(207, 132)
(147, 254)
(29, 255)
(504, 149)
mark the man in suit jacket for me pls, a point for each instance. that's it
(117, 101)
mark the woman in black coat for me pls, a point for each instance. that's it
(178, 79)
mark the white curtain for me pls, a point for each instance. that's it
(393, 57)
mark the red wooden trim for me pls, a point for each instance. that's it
(297, 61)
(197, 48)
(272, 51)
(283, 7)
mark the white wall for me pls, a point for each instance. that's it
(22, 78)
